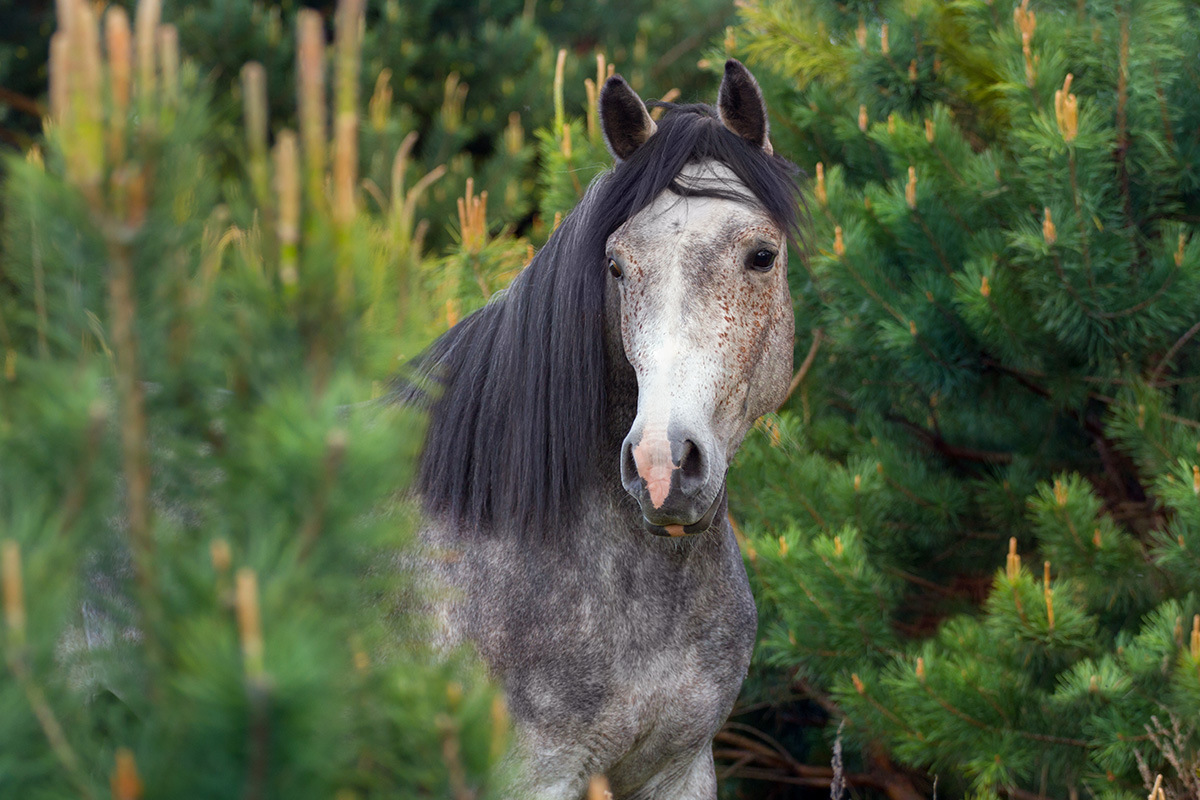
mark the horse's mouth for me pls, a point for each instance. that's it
(699, 526)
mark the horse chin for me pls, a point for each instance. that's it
(701, 525)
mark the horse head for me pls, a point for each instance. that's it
(698, 290)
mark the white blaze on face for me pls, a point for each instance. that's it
(709, 338)
(657, 377)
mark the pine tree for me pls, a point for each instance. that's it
(973, 528)
(203, 539)
(469, 79)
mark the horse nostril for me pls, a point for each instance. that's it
(693, 471)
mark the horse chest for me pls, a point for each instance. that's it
(667, 708)
(621, 659)
(676, 665)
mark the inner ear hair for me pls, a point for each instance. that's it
(623, 118)
(741, 106)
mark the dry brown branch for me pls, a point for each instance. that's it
(798, 378)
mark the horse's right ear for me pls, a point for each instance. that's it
(741, 106)
(623, 118)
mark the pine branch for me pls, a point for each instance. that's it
(954, 452)
(980, 724)
(1112, 401)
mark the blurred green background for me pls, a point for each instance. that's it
(972, 529)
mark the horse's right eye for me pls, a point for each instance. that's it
(615, 270)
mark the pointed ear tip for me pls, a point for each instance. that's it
(614, 81)
(735, 68)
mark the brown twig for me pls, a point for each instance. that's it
(945, 591)
(948, 450)
(671, 56)
(1022, 794)
(757, 762)
(17, 656)
(50, 725)
(19, 102)
(806, 365)
(775, 776)
(1122, 147)
(258, 738)
(452, 758)
(73, 503)
(1079, 216)
(752, 748)
(1180, 342)
(769, 742)
(933, 242)
(335, 449)
(133, 425)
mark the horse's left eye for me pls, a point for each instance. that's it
(762, 261)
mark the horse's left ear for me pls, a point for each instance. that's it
(741, 106)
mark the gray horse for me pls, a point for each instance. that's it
(574, 469)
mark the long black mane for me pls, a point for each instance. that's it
(519, 409)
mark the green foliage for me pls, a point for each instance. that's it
(202, 537)
(467, 75)
(469, 79)
(1000, 297)
(1002, 288)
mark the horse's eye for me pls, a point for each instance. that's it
(614, 270)
(762, 261)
